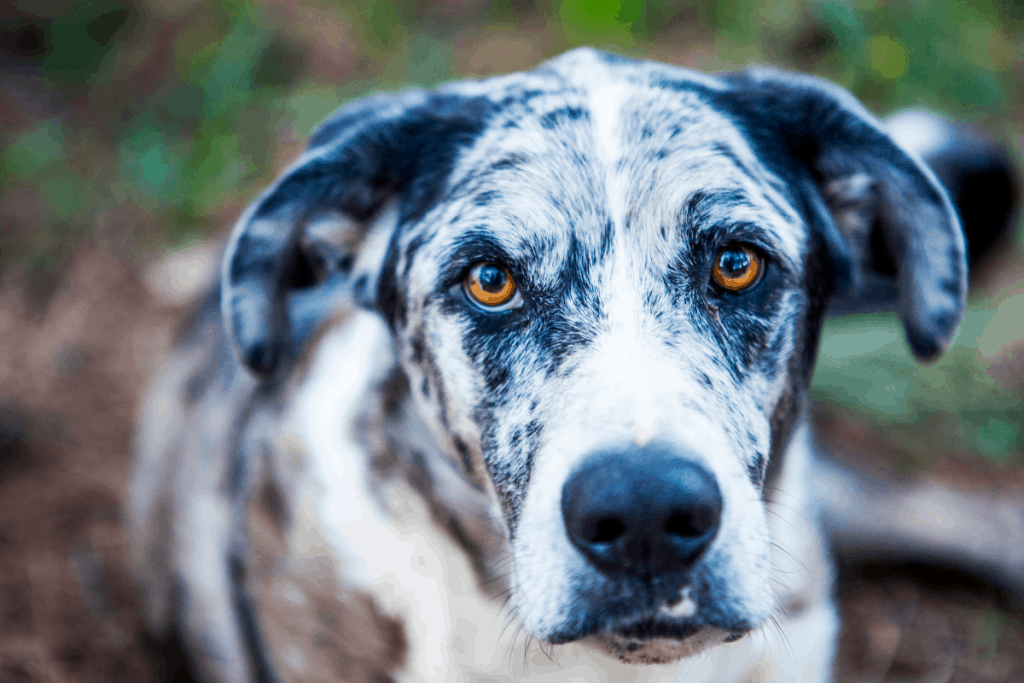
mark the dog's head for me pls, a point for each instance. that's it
(605, 280)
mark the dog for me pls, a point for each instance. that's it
(528, 357)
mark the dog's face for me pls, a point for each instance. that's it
(615, 352)
(605, 280)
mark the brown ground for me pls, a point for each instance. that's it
(69, 379)
(901, 627)
(920, 623)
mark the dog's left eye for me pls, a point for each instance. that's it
(737, 267)
(490, 285)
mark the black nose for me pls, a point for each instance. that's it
(644, 511)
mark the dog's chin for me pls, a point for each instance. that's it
(658, 641)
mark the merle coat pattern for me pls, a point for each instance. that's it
(605, 187)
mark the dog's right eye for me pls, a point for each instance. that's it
(491, 285)
(737, 267)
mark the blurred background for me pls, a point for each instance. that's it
(134, 131)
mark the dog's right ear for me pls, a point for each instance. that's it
(879, 209)
(295, 252)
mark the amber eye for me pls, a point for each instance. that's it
(737, 267)
(490, 284)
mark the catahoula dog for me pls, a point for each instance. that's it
(527, 359)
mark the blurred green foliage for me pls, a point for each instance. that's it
(957, 404)
(141, 125)
(186, 142)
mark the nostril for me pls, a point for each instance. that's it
(607, 530)
(681, 525)
(689, 524)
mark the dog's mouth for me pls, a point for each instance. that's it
(673, 620)
(676, 620)
(639, 629)
(657, 627)
(660, 640)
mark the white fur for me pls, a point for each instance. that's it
(385, 542)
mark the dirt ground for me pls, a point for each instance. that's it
(70, 374)
(903, 624)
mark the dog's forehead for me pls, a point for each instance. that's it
(625, 152)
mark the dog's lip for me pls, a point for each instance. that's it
(655, 627)
(675, 618)
(652, 628)
(640, 628)
(643, 628)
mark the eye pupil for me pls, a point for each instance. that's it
(733, 263)
(492, 280)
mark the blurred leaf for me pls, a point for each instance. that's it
(217, 169)
(34, 151)
(864, 365)
(149, 163)
(501, 11)
(80, 42)
(194, 48)
(974, 90)
(658, 14)
(888, 58)
(601, 21)
(280, 63)
(63, 194)
(385, 23)
(186, 102)
(781, 14)
(102, 28)
(997, 437)
(843, 21)
(736, 20)
(310, 107)
(430, 60)
(228, 83)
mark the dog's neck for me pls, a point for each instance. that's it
(401, 449)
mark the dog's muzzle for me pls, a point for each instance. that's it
(646, 513)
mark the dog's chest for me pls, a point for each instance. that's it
(382, 540)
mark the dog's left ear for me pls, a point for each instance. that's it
(876, 205)
(299, 248)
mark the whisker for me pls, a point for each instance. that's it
(791, 653)
(526, 650)
(512, 645)
(790, 555)
(548, 654)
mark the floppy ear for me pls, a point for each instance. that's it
(297, 251)
(877, 206)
